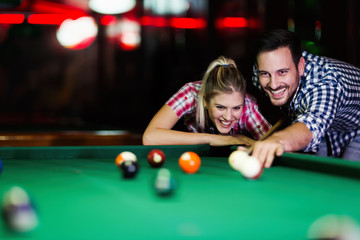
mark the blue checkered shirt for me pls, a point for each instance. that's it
(327, 101)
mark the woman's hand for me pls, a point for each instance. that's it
(224, 140)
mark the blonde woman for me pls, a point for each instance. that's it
(216, 111)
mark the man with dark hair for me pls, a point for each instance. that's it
(320, 95)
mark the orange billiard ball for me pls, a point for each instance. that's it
(125, 156)
(189, 162)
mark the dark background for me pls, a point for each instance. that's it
(46, 87)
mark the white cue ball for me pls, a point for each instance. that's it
(236, 159)
(251, 168)
(331, 226)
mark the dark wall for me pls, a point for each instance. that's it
(44, 86)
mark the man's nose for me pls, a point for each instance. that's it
(273, 83)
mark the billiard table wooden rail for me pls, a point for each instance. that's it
(69, 138)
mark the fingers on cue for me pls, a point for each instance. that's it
(269, 160)
(266, 156)
(278, 151)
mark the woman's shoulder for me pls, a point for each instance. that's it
(192, 88)
(250, 99)
(194, 85)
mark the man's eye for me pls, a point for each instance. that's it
(283, 72)
(264, 74)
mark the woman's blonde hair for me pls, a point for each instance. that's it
(222, 76)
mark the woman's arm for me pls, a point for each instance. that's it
(159, 132)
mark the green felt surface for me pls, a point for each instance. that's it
(79, 194)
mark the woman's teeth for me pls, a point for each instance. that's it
(226, 123)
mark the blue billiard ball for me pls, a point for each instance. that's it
(164, 183)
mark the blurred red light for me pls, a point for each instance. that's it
(55, 19)
(83, 44)
(107, 20)
(187, 23)
(41, 6)
(232, 22)
(153, 21)
(12, 18)
(127, 47)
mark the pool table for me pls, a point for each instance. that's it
(79, 193)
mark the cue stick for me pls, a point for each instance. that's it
(271, 130)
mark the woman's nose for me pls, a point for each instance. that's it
(227, 114)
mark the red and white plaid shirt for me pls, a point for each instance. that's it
(184, 104)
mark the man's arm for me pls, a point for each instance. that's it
(293, 138)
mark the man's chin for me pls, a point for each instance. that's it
(278, 102)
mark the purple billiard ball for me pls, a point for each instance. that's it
(129, 169)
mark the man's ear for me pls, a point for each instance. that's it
(301, 66)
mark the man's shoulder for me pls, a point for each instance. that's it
(325, 63)
(318, 68)
(314, 60)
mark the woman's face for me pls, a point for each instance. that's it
(225, 110)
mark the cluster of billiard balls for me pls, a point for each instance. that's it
(18, 210)
(164, 182)
(127, 163)
(189, 162)
(249, 166)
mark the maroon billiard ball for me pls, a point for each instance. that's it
(156, 158)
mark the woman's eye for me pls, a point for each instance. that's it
(220, 107)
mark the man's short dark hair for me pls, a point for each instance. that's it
(278, 38)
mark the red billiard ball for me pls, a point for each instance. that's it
(156, 158)
(125, 156)
(190, 162)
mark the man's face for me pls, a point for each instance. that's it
(278, 75)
